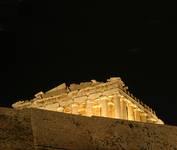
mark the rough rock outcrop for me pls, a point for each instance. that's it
(48, 130)
(15, 130)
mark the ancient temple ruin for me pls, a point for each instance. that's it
(110, 99)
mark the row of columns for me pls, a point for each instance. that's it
(112, 106)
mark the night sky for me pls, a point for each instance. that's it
(46, 43)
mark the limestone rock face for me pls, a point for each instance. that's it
(36, 129)
(15, 130)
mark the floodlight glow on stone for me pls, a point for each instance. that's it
(111, 99)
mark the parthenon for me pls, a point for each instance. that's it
(105, 99)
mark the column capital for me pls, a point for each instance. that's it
(137, 109)
(130, 104)
(74, 104)
(143, 114)
(110, 103)
(117, 95)
(103, 98)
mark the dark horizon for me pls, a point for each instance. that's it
(46, 44)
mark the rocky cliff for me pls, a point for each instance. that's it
(36, 129)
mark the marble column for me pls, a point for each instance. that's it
(130, 112)
(111, 109)
(123, 108)
(96, 110)
(74, 108)
(82, 109)
(89, 109)
(143, 117)
(137, 115)
(104, 107)
(116, 100)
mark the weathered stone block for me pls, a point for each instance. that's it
(72, 93)
(109, 92)
(94, 96)
(52, 106)
(66, 102)
(80, 99)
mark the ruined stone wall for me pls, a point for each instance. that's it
(48, 130)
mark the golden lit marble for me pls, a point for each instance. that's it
(109, 99)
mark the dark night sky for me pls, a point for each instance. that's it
(46, 43)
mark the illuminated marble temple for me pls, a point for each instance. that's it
(105, 99)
